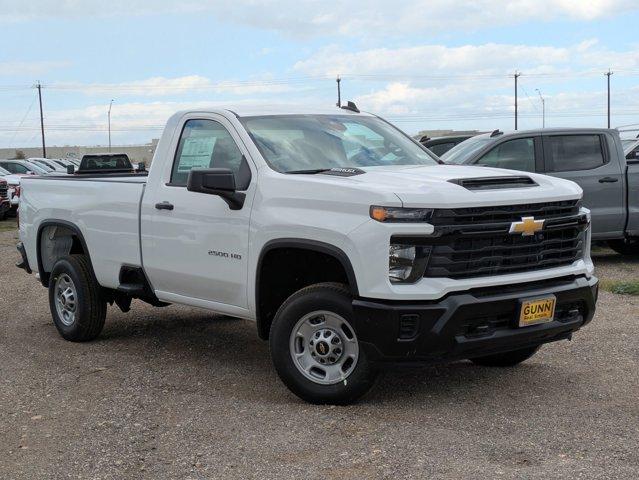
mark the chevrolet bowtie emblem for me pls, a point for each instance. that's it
(528, 226)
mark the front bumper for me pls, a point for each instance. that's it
(469, 324)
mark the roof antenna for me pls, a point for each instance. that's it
(351, 106)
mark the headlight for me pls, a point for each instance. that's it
(406, 263)
(400, 214)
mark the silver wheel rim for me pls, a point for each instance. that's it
(65, 299)
(324, 347)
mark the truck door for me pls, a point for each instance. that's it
(517, 154)
(194, 245)
(586, 159)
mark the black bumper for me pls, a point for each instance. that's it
(470, 324)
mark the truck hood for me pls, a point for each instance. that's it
(434, 187)
(12, 179)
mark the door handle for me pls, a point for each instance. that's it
(608, 180)
(164, 206)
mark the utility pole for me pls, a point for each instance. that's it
(607, 74)
(44, 148)
(543, 109)
(517, 75)
(109, 115)
(339, 92)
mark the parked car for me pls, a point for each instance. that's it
(24, 167)
(5, 204)
(49, 163)
(64, 163)
(593, 158)
(440, 145)
(631, 150)
(347, 242)
(13, 184)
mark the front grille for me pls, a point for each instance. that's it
(3, 190)
(482, 245)
(505, 213)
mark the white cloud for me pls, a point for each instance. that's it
(369, 18)
(433, 59)
(486, 59)
(30, 68)
(179, 86)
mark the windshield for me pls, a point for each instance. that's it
(4, 172)
(292, 143)
(459, 153)
(39, 169)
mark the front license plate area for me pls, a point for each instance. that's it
(534, 311)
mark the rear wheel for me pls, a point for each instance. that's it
(315, 348)
(507, 359)
(625, 247)
(75, 299)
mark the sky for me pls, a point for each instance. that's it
(422, 64)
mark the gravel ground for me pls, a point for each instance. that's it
(177, 393)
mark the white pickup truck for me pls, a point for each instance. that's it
(345, 240)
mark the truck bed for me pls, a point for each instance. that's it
(105, 208)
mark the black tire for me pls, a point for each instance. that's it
(331, 297)
(90, 306)
(508, 359)
(625, 247)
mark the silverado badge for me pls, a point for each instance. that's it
(528, 226)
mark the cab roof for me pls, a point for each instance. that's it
(281, 109)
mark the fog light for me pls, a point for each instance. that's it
(406, 263)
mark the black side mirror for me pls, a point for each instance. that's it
(70, 169)
(216, 181)
(632, 155)
(141, 167)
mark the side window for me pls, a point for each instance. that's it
(205, 144)
(518, 154)
(16, 168)
(575, 152)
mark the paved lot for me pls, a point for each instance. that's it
(177, 393)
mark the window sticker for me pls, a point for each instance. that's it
(196, 153)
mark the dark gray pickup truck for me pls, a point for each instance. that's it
(593, 158)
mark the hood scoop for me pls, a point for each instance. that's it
(495, 183)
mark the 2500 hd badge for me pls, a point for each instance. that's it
(235, 256)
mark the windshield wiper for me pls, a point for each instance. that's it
(310, 171)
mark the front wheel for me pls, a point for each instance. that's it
(314, 346)
(507, 359)
(77, 306)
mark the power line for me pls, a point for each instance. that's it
(23, 119)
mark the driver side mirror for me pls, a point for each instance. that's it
(70, 169)
(634, 155)
(216, 181)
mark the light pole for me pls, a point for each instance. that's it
(109, 115)
(543, 109)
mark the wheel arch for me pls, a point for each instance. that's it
(302, 245)
(76, 234)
